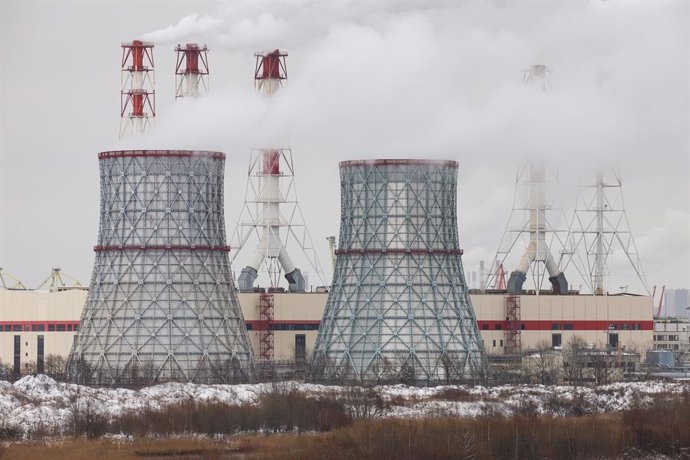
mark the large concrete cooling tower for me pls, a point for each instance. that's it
(399, 309)
(162, 303)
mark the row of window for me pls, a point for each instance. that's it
(73, 327)
(62, 327)
(666, 338)
(569, 327)
(667, 346)
(288, 327)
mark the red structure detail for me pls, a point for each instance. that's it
(266, 308)
(192, 59)
(161, 248)
(341, 252)
(137, 59)
(513, 339)
(270, 66)
(271, 160)
(394, 162)
(501, 279)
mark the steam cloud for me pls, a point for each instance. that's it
(443, 80)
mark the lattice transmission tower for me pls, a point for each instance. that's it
(271, 217)
(598, 230)
(532, 231)
(138, 92)
(191, 70)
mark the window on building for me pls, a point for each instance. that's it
(38, 327)
(497, 327)
(26, 328)
(494, 344)
(568, 327)
(636, 326)
(51, 328)
(40, 350)
(75, 328)
(61, 328)
(17, 328)
(522, 326)
(485, 327)
(624, 326)
(555, 340)
(300, 347)
(555, 327)
(613, 341)
(501, 342)
(69, 327)
(17, 355)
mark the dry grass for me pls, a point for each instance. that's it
(661, 428)
(105, 449)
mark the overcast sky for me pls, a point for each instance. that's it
(383, 79)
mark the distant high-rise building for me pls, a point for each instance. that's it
(676, 302)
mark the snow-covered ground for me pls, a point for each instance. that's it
(40, 404)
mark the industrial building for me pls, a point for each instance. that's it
(163, 304)
(549, 319)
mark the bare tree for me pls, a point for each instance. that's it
(575, 360)
(601, 366)
(55, 366)
(546, 363)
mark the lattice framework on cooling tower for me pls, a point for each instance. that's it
(399, 308)
(162, 302)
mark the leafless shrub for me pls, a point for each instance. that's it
(363, 403)
(86, 419)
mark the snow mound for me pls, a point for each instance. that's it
(39, 403)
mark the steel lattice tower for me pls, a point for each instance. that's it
(138, 93)
(162, 304)
(191, 70)
(399, 308)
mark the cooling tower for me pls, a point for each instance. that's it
(162, 304)
(399, 308)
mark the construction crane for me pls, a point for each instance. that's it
(56, 280)
(661, 301)
(7, 281)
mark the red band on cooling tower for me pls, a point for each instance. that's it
(161, 248)
(394, 162)
(458, 252)
(161, 153)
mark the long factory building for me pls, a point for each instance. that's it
(36, 324)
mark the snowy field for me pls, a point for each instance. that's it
(39, 403)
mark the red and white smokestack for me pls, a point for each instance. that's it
(191, 70)
(538, 74)
(270, 71)
(137, 94)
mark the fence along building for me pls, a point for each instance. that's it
(399, 308)
(162, 304)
